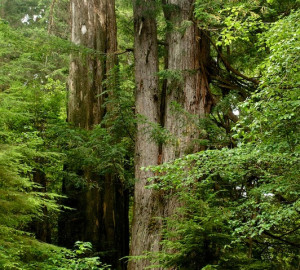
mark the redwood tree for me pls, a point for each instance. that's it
(145, 228)
(184, 96)
(101, 208)
(187, 98)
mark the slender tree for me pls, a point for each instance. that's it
(101, 214)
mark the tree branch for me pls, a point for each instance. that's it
(282, 240)
(227, 65)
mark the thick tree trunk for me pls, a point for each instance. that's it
(101, 214)
(145, 227)
(189, 57)
(87, 71)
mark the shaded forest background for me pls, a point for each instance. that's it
(226, 198)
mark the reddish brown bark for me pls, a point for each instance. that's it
(145, 227)
(187, 56)
(101, 214)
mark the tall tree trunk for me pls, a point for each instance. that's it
(188, 56)
(101, 214)
(145, 227)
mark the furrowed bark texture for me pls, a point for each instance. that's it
(145, 227)
(87, 72)
(187, 97)
(101, 214)
(188, 57)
